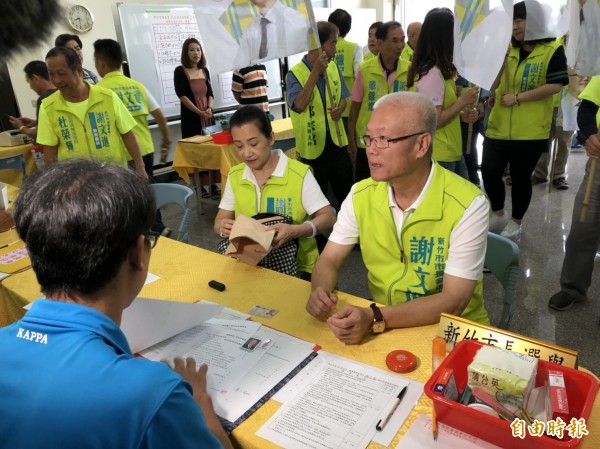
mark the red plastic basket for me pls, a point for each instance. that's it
(581, 390)
(222, 137)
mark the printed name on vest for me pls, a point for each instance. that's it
(36, 337)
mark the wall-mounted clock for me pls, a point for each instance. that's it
(80, 18)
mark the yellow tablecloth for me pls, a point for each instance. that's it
(15, 177)
(185, 271)
(190, 157)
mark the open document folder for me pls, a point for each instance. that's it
(246, 362)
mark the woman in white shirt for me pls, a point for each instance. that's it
(268, 181)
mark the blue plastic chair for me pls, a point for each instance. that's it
(502, 259)
(16, 162)
(175, 194)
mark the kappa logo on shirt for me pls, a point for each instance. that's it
(36, 337)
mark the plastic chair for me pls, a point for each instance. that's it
(16, 162)
(502, 259)
(211, 129)
(175, 194)
(285, 144)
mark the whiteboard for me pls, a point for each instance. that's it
(152, 39)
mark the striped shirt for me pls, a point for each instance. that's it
(252, 84)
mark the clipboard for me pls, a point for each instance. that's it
(14, 257)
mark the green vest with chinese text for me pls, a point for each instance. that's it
(133, 95)
(96, 138)
(413, 267)
(592, 93)
(375, 86)
(531, 120)
(280, 195)
(344, 58)
(309, 126)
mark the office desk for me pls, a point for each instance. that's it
(14, 177)
(191, 157)
(185, 271)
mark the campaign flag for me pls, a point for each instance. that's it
(547, 18)
(482, 31)
(583, 46)
(240, 33)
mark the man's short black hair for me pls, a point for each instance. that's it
(73, 61)
(62, 39)
(341, 19)
(38, 68)
(79, 219)
(109, 51)
(384, 29)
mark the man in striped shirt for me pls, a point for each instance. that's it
(249, 86)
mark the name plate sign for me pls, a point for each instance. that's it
(454, 329)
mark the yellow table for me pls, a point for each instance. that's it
(14, 177)
(191, 157)
(185, 271)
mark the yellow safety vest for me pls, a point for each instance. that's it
(280, 195)
(344, 58)
(133, 95)
(406, 269)
(375, 86)
(531, 120)
(97, 138)
(309, 126)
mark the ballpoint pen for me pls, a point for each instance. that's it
(390, 410)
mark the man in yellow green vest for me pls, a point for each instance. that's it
(582, 243)
(422, 231)
(348, 55)
(82, 120)
(412, 36)
(316, 111)
(108, 57)
(375, 78)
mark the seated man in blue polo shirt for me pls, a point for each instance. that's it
(68, 378)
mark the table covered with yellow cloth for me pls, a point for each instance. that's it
(185, 271)
(190, 156)
(15, 177)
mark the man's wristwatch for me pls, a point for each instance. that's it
(378, 325)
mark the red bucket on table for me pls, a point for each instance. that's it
(581, 391)
(222, 137)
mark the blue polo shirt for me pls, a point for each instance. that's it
(68, 380)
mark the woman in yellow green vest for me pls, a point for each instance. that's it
(519, 125)
(433, 74)
(268, 181)
(372, 48)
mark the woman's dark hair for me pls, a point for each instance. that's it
(520, 13)
(375, 26)
(254, 115)
(79, 219)
(435, 46)
(185, 58)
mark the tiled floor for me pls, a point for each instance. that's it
(545, 230)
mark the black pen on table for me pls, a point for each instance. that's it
(391, 409)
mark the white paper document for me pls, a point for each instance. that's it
(149, 321)
(419, 436)
(339, 407)
(227, 313)
(151, 278)
(237, 377)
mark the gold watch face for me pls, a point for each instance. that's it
(378, 327)
(80, 18)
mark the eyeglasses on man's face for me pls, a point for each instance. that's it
(384, 142)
